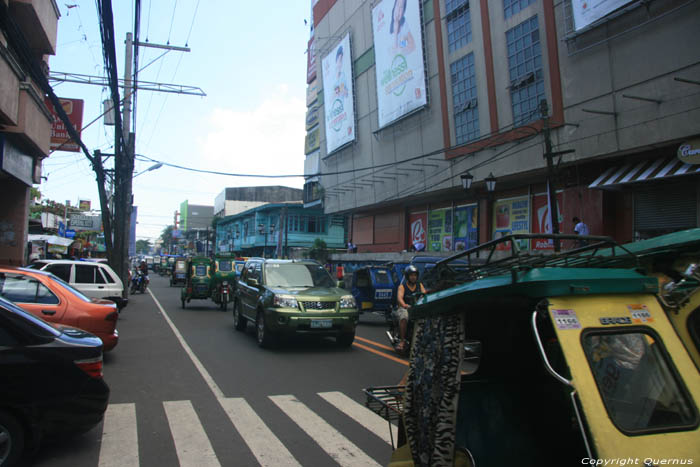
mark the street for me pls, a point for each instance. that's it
(188, 389)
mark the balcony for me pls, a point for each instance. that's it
(38, 19)
(33, 121)
(9, 88)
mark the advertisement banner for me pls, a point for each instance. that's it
(313, 140)
(466, 227)
(542, 221)
(312, 92)
(311, 61)
(311, 117)
(398, 52)
(440, 230)
(338, 103)
(511, 216)
(587, 12)
(81, 222)
(59, 134)
(84, 204)
(418, 222)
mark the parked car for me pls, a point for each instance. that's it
(293, 297)
(50, 381)
(50, 298)
(91, 278)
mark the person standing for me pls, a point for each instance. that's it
(581, 229)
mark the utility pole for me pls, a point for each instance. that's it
(549, 155)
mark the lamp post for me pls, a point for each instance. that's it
(467, 179)
(490, 184)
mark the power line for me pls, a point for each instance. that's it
(187, 41)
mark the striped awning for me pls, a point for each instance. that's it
(644, 171)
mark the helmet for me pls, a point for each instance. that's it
(410, 269)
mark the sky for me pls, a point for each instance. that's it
(250, 62)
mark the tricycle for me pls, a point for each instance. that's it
(224, 281)
(198, 279)
(374, 289)
(544, 359)
(178, 271)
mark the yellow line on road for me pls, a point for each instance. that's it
(376, 344)
(381, 354)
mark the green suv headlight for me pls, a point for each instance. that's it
(347, 301)
(285, 301)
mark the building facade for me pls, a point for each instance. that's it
(238, 199)
(278, 230)
(439, 89)
(27, 38)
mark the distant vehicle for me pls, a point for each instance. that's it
(48, 297)
(293, 297)
(149, 262)
(374, 288)
(91, 278)
(50, 382)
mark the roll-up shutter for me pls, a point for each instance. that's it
(666, 207)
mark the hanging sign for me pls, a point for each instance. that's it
(689, 152)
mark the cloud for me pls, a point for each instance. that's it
(268, 139)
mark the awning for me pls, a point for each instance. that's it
(644, 171)
(50, 239)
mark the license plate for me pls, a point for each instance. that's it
(382, 293)
(321, 323)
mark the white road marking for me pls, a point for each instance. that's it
(361, 415)
(191, 443)
(263, 443)
(335, 444)
(120, 445)
(202, 371)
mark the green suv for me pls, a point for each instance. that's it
(293, 297)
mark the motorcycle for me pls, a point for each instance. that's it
(395, 337)
(139, 282)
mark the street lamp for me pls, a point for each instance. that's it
(490, 183)
(467, 179)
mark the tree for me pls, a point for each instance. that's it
(143, 246)
(167, 237)
(319, 251)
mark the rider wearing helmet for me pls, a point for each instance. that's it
(406, 297)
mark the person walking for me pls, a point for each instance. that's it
(581, 229)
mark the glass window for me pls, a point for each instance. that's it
(382, 277)
(99, 278)
(18, 288)
(45, 296)
(58, 281)
(464, 99)
(297, 275)
(311, 226)
(459, 27)
(108, 276)
(200, 270)
(60, 270)
(638, 382)
(84, 274)
(511, 7)
(694, 327)
(225, 265)
(525, 68)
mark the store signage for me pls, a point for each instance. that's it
(312, 92)
(466, 227)
(587, 12)
(689, 152)
(60, 139)
(313, 140)
(511, 216)
(418, 225)
(338, 100)
(398, 52)
(15, 162)
(83, 222)
(311, 117)
(440, 230)
(311, 61)
(84, 204)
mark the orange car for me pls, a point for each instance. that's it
(48, 297)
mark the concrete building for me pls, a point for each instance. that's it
(195, 216)
(27, 38)
(620, 82)
(238, 199)
(277, 230)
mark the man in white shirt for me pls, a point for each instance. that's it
(581, 229)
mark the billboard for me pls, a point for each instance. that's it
(541, 219)
(587, 12)
(84, 204)
(511, 216)
(440, 230)
(311, 61)
(418, 222)
(60, 140)
(311, 117)
(313, 140)
(338, 103)
(398, 52)
(466, 227)
(81, 222)
(312, 92)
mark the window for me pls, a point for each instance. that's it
(108, 276)
(22, 289)
(297, 275)
(84, 274)
(694, 327)
(459, 27)
(638, 382)
(464, 99)
(511, 7)
(99, 278)
(525, 67)
(60, 270)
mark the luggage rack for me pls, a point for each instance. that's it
(387, 402)
(492, 258)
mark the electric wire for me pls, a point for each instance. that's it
(187, 41)
(172, 20)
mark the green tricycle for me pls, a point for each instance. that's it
(224, 281)
(198, 279)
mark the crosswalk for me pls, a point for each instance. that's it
(120, 440)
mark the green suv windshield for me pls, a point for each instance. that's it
(293, 275)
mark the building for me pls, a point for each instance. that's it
(404, 102)
(27, 38)
(278, 230)
(195, 216)
(234, 200)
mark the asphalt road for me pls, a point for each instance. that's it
(188, 389)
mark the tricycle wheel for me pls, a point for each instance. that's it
(262, 332)
(11, 439)
(238, 321)
(224, 302)
(182, 300)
